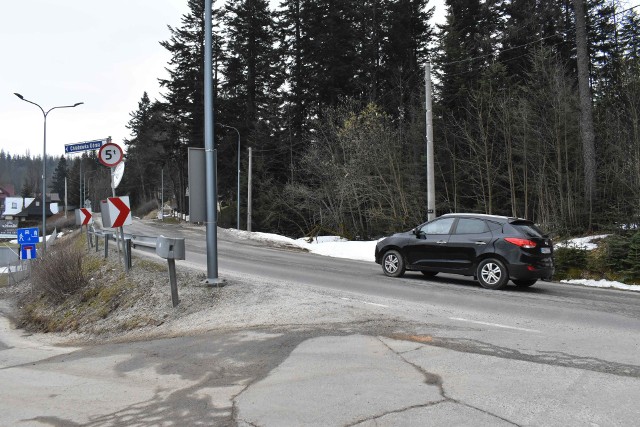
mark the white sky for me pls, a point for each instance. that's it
(59, 52)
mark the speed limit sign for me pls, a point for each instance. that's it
(110, 154)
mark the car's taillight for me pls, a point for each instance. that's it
(523, 243)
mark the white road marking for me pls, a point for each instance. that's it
(365, 302)
(497, 325)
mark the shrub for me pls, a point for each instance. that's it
(63, 223)
(616, 250)
(59, 274)
(632, 260)
(146, 207)
(569, 262)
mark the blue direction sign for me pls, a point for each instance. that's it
(84, 146)
(28, 252)
(28, 236)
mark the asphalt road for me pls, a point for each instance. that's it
(602, 324)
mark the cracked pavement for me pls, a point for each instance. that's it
(377, 381)
(293, 376)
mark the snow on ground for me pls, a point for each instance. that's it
(363, 251)
(602, 284)
(581, 242)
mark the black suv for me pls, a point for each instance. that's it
(491, 248)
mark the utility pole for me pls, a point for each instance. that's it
(249, 193)
(586, 109)
(431, 186)
(162, 194)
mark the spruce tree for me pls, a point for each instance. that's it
(59, 176)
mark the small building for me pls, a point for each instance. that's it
(27, 208)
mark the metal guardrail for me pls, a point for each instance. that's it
(166, 248)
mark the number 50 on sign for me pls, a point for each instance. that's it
(110, 155)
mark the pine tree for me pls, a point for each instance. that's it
(59, 176)
(406, 35)
(185, 85)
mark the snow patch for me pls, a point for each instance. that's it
(603, 284)
(584, 243)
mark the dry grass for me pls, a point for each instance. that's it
(60, 273)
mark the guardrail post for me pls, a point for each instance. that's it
(171, 249)
(127, 255)
(174, 282)
(106, 244)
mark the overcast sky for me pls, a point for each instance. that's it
(59, 52)
(105, 54)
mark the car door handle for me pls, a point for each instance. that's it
(441, 242)
(481, 243)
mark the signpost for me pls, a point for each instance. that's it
(110, 155)
(84, 216)
(27, 252)
(84, 146)
(93, 145)
(116, 212)
(28, 238)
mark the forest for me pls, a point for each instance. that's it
(536, 114)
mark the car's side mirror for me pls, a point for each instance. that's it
(418, 233)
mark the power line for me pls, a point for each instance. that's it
(501, 51)
(525, 44)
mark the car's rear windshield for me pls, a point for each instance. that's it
(527, 228)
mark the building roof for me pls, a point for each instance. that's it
(7, 190)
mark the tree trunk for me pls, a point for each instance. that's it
(586, 119)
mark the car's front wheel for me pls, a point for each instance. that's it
(492, 274)
(393, 264)
(522, 283)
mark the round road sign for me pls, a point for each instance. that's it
(110, 154)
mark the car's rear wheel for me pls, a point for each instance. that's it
(492, 274)
(524, 283)
(429, 273)
(393, 264)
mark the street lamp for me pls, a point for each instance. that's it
(44, 167)
(238, 212)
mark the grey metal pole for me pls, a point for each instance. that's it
(162, 194)
(80, 185)
(209, 134)
(65, 197)
(249, 192)
(238, 212)
(431, 187)
(44, 166)
(44, 188)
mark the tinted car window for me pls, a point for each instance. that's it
(439, 226)
(470, 226)
(529, 229)
(494, 226)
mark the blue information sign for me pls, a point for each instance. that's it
(28, 236)
(28, 252)
(84, 146)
